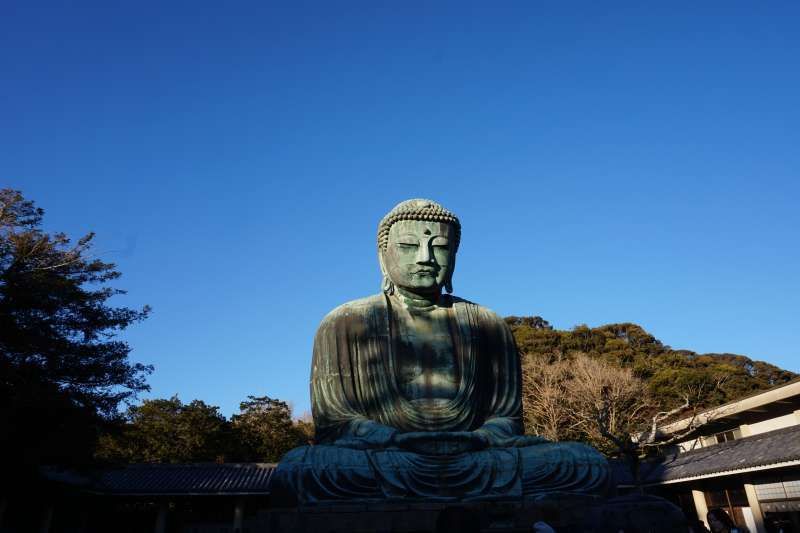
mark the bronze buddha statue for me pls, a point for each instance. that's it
(417, 394)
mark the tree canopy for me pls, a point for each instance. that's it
(613, 386)
(62, 369)
(167, 430)
(170, 431)
(669, 373)
(265, 430)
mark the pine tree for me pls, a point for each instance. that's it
(62, 371)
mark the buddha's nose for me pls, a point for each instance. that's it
(424, 254)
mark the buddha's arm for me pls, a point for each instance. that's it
(365, 433)
(503, 426)
(498, 430)
(337, 401)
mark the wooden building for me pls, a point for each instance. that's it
(159, 498)
(744, 458)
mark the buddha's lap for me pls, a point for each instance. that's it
(534, 459)
(328, 473)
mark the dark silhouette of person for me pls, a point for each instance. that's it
(719, 522)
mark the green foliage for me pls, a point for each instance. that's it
(62, 372)
(169, 431)
(533, 322)
(711, 379)
(264, 429)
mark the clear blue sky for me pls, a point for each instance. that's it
(609, 161)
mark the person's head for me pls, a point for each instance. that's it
(719, 521)
(417, 245)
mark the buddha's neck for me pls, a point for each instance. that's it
(413, 300)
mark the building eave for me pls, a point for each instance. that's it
(723, 473)
(753, 403)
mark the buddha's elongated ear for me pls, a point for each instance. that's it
(387, 285)
(448, 281)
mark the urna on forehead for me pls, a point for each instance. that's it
(418, 209)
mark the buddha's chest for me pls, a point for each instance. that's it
(425, 356)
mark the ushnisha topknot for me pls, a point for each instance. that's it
(418, 209)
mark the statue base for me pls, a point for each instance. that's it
(562, 511)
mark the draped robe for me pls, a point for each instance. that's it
(357, 405)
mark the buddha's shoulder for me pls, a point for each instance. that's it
(356, 308)
(477, 309)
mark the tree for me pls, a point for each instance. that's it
(305, 428)
(611, 405)
(603, 404)
(62, 371)
(564, 398)
(168, 431)
(535, 322)
(619, 410)
(668, 373)
(265, 429)
(545, 399)
(607, 403)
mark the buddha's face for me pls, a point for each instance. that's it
(419, 255)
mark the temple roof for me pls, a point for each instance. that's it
(772, 449)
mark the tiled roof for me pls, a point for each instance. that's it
(193, 478)
(760, 450)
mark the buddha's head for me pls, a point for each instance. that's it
(417, 245)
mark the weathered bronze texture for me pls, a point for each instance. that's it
(417, 394)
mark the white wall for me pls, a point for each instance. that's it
(747, 430)
(770, 425)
